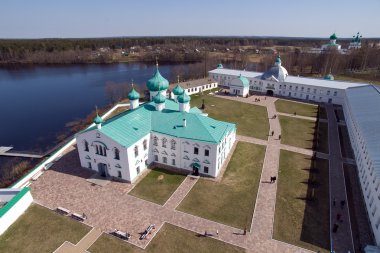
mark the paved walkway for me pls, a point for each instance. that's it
(342, 239)
(181, 192)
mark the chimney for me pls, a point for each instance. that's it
(184, 123)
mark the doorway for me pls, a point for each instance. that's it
(102, 168)
(269, 92)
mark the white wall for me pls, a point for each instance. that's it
(200, 88)
(15, 212)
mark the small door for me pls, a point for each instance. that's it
(102, 168)
(307, 97)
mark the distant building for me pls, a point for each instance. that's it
(356, 42)
(164, 131)
(332, 45)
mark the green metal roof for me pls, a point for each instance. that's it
(244, 80)
(133, 95)
(132, 125)
(13, 201)
(157, 82)
(159, 98)
(333, 37)
(177, 90)
(184, 98)
(329, 77)
(98, 119)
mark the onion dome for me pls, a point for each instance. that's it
(244, 81)
(219, 66)
(333, 37)
(133, 95)
(159, 98)
(277, 72)
(177, 90)
(329, 77)
(183, 98)
(157, 82)
(98, 119)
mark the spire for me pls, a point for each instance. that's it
(98, 120)
(177, 78)
(156, 62)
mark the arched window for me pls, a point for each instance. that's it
(104, 151)
(155, 141)
(145, 144)
(97, 149)
(136, 151)
(85, 145)
(117, 154)
(164, 141)
(172, 144)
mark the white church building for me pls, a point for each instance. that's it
(162, 131)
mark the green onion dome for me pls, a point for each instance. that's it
(157, 82)
(278, 59)
(133, 95)
(177, 90)
(333, 37)
(159, 98)
(183, 98)
(98, 119)
(219, 66)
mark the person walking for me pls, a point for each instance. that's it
(245, 231)
(272, 133)
(217, 232)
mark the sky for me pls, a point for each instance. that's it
(113, 18)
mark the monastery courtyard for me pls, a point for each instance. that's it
(114, 206)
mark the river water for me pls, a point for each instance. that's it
(36, 103)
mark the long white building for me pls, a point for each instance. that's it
(361, 107)
(163, 131)
(277, 81)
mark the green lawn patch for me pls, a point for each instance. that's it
(302, 133)
(251, 120)
(301, 109)
(302, 207)
(158, 185)
(41, 230)
(170, 239)
(232, 200)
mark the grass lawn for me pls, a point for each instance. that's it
(300, 133)
(232, 200)
(41, 230)
(251, 120)
(302, 217)
(301, 109)
(158, 185)
(169, 239)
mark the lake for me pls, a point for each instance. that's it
(37, 102)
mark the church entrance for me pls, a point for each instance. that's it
(196, 168)
(102, 168)
(269, 92)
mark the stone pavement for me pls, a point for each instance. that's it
(341, 241)
(110, 207)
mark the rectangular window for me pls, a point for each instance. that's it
(173, 161)
(156, 158)
(335, 93)
(207, 152)
(196, 150)
(89, 165)
(308, 89)
(205, 169)
(328, 92)
(164, 159)
(119, 174)
(138, 170)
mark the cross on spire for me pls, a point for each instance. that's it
(156, 61)
(178, 78)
